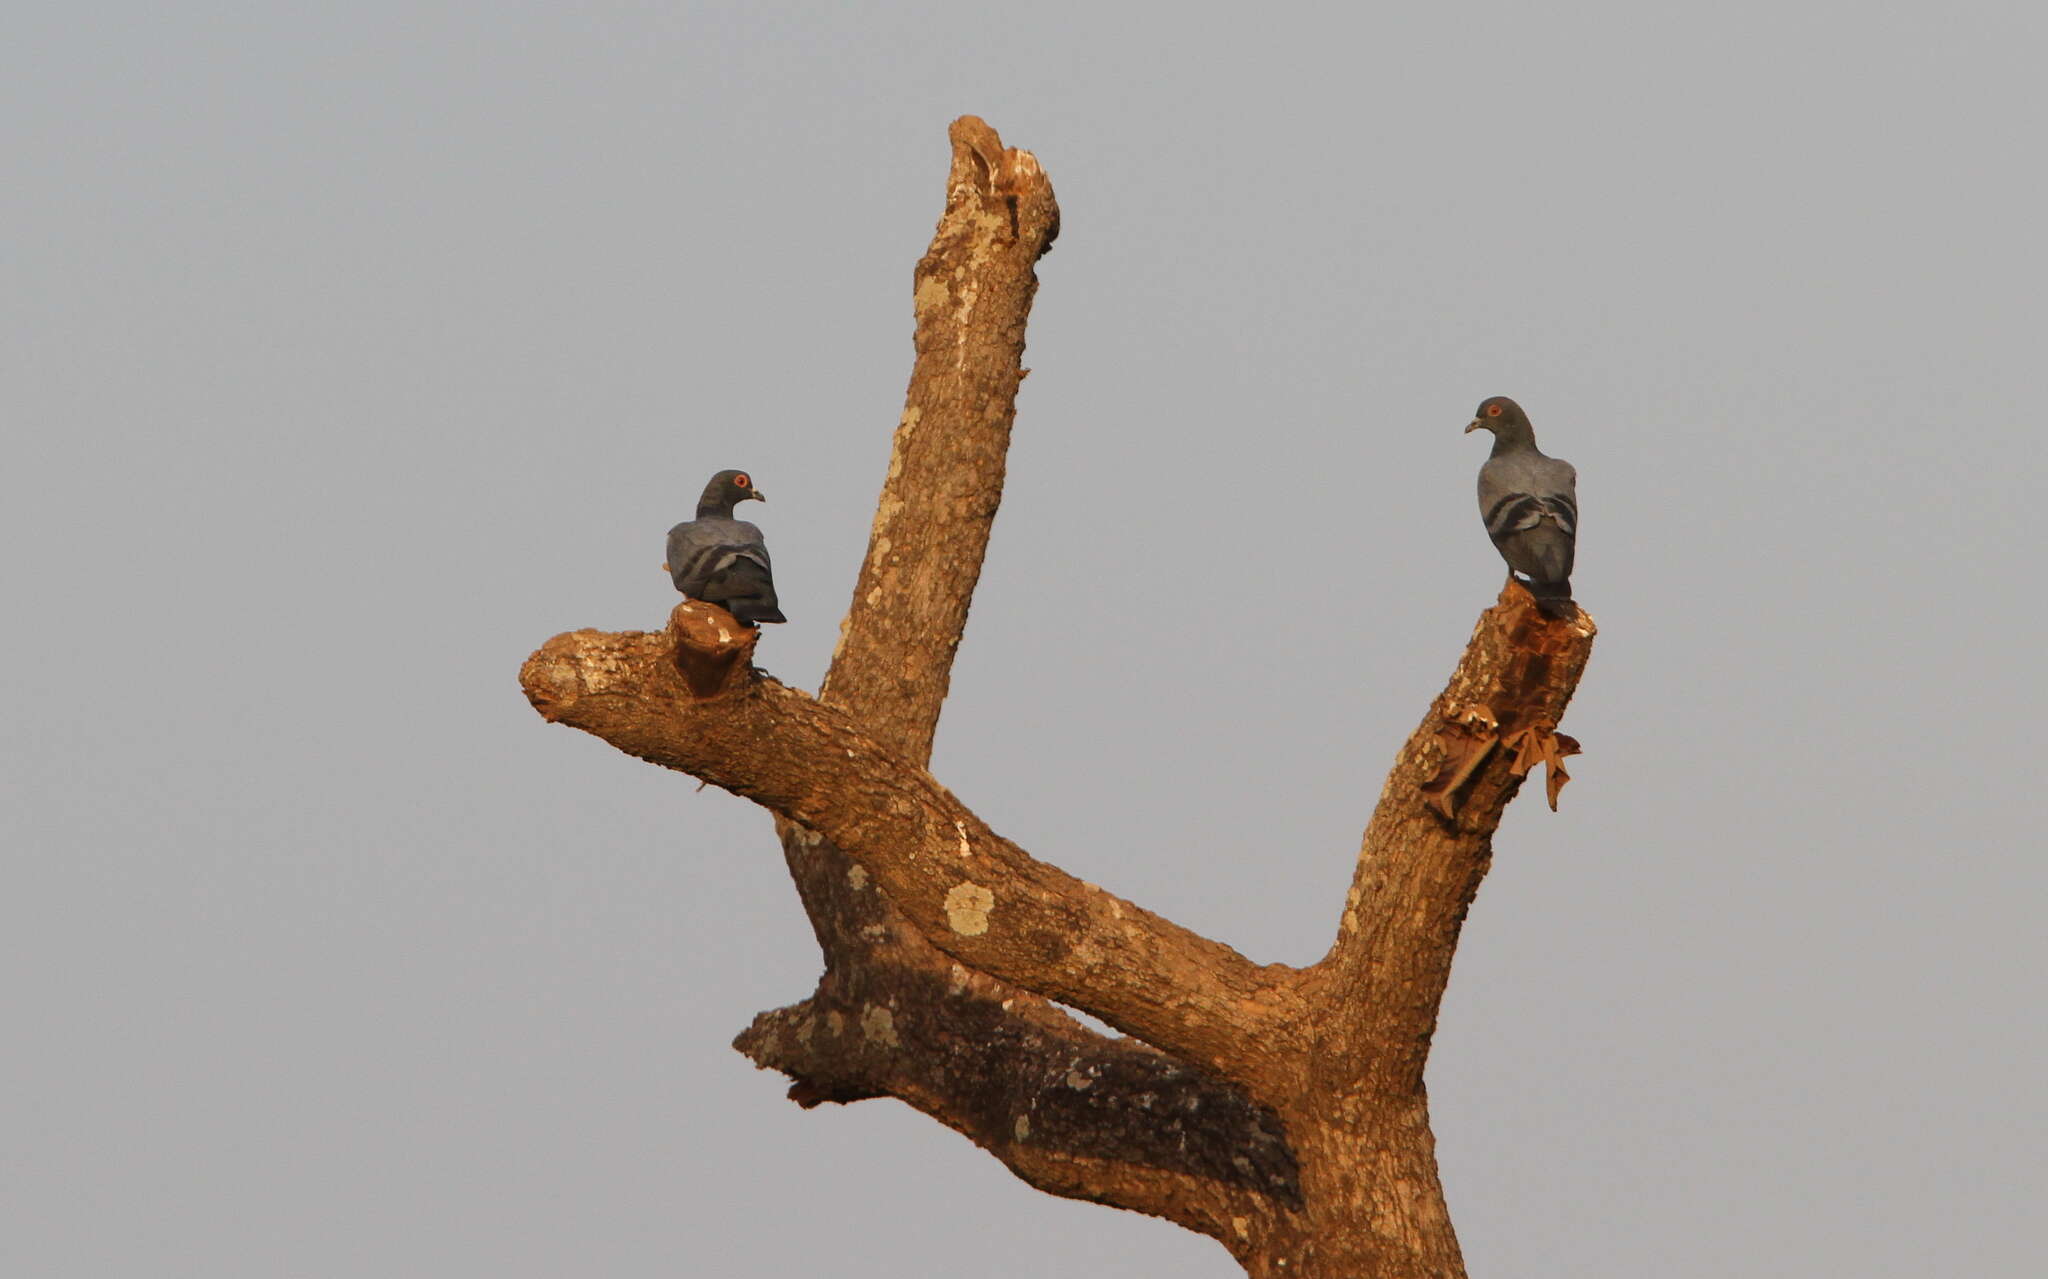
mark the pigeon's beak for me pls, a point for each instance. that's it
(1477, 423)
(757, 495)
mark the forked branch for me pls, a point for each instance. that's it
(1278, 1110)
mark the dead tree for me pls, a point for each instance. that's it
(1278, 1110)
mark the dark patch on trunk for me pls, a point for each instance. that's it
(1081, 1094)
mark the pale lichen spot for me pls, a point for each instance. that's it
(805, 1029)
(1243, 1226)
(1022, 1127)
(878, 1025)
(857, 875)
(966, 849)
(835, 1024)
(1078, 1081)
(967, 908)
(931, 292)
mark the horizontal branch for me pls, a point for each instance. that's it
(1066, 1109)
(973, 894)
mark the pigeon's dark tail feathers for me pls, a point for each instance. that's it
(1554, 599)
(745, 590)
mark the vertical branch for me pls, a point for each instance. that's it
(894, 662)
(961, 1046)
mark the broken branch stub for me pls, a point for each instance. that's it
(713, 648)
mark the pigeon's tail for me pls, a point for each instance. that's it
(1554, 599)
(745, 590)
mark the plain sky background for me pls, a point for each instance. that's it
(351, 351)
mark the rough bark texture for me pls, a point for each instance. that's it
(1278, 1110)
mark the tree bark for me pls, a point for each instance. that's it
(1278, 1110)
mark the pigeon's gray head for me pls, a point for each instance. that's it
(728, 488)
(1495, 413)
(1503, 417)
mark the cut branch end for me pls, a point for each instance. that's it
(714, 649)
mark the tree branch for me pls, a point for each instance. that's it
(894, 664)
(972, 296)
(968, 891)
(1066, 1109)
(1430, 841)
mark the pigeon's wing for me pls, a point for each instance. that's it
(1555, 486)
(1530, 505)
(697, 550)
(724, 562)
(749, 536)
(1559, 494)
(1505, 502)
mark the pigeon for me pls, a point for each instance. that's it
(721, 560)
(1530, 504)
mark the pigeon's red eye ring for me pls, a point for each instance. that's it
(742, 482)
(1493, 410)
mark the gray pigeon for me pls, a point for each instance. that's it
(1530, 504)
(721, 560)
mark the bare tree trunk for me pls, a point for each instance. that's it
(1278, 1110)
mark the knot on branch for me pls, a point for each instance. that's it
(713, 649)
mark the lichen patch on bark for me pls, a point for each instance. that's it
(967, 908)
(878, 1025)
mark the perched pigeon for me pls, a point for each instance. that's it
(1530, 504)
(721, 560)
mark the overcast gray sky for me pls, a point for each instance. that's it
(353, 350)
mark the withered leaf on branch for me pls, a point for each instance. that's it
(1542, 744)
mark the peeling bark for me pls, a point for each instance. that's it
(1278, 1110)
